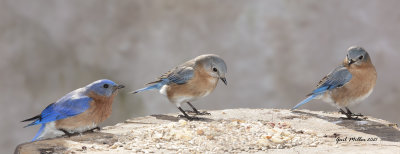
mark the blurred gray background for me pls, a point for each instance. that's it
(276, 52)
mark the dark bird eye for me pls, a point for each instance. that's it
(215, 69)
(105, 86)
(361, 57)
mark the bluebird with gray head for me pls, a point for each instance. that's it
(78, 111)
(349, 83)
(192, 80)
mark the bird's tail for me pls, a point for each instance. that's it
(39, 132)
(36, 118)
(308, 99)
(154, 86)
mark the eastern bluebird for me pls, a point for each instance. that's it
(349, 83)
(193, 79)
(78, 111)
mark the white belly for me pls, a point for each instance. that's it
(83, 128)
(182, 99)
(326, 97)
(50, 130)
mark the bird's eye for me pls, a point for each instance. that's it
(105, 86)
(361, 57)
(215, 69)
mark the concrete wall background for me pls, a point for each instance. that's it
(276, 52)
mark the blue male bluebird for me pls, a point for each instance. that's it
(349, 83)
(191, 80)
(78, 111)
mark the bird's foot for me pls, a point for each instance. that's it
(353, 117)
(198, 112)
(93, 129)
(350, 118)
(67, 133)
(357, 115)
(350, 115)
(342, 112)
(203, 113)
(190, 118)
(195, 111)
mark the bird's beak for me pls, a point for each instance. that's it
(118, 87)
(224, 80)
(351, 61)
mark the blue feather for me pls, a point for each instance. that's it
(154, 86)
(337, 78)
(61, 110)
(320, 90)
(39, 132)
(308, 99)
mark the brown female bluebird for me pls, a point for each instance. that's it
(192, 80)
(349, 83)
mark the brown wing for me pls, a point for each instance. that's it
(325, 78)
(322, 80)
(189, 63)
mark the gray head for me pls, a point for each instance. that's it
(103, 87)
(357, 56)
(214, 65)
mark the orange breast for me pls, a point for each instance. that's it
(359, 87)
(100, 109)
(199, 86)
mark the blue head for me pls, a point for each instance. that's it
(103, 87)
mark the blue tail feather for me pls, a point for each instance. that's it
(320, 90)
(39, 132)
(154, 86)
(308, 99)
(33, 123)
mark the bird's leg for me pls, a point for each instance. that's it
(341, 111)
(349, 115)
(186, 115)
(197, 111)
(352, 114)
(66, 132)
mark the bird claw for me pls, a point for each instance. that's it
(66, 133)
(188, 117)
(350, 118)
(350, 115)
(198, 113)
(357, 115)
(93, 129)
(353, 117)
(203, 113)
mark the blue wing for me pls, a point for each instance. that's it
(64, 108)
(337, 78)
(179, 75)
